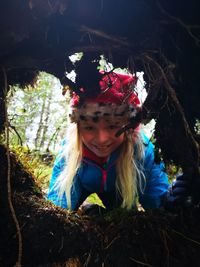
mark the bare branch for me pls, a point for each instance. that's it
(188, 28)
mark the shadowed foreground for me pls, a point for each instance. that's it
(51, 235)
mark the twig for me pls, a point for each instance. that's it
(18, 263)
(112, 241)
(174, 98)
(61, 246)
(87, 260)
(188, 28)
(185, 237)
(141, 263)
(18, 135)
(104, 35)
(164, 234)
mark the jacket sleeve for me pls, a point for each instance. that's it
(53, 191)
(157, 183)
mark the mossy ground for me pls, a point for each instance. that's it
(52, 236)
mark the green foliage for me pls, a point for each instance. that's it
(37, 122)
(2, 139)
(172, 171)
(197, 127)
(33, 163)
(171, 168)
(94, 199)
(38, 115)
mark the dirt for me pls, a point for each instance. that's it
(55, 237)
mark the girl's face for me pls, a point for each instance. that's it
(100, 137)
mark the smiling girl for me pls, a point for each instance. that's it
(119, 169)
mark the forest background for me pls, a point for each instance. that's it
(38, 118)
(38, 121)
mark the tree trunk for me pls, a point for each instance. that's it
(2, 112)
(53, 138)
(46, 120)
(40, 126)
(3, 90)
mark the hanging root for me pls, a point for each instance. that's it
(18, 263)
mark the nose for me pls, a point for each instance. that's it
(102, 137)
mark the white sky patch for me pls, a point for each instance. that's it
(141, 91)
(71, 75)
(76, 57)
(140, 87)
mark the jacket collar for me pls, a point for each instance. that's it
(88, 154)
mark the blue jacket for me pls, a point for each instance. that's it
(91, 178)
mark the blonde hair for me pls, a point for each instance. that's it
(129, 178)
(72, 154)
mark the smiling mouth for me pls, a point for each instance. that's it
(102, 147)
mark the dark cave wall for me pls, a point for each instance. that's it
(38, 36)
